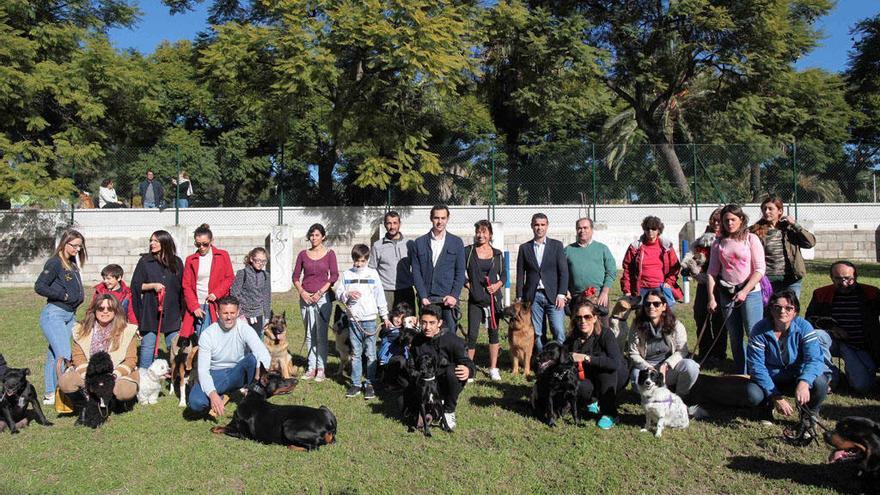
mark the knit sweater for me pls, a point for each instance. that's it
(254, 292)
(589, 266)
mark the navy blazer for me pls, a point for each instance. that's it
(553, 270)
(447, 278)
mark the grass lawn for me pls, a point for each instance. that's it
(497, 447)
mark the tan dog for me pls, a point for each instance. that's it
(343, 344)
(183, 356)
(619, 319)
(520, 335)
(275, 338)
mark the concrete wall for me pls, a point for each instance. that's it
(119, 236)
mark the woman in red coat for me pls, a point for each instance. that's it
(207, 276)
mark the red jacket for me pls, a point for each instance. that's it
(219, 283)
(632, 264)
(123, 297)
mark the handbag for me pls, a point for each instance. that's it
(63, 404)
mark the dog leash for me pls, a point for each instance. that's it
(160, 297)
(732, 307)
(805, 432)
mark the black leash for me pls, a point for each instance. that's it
(804, 433)
(732, 306)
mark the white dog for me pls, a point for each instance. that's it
(151, 381)
(662, 407)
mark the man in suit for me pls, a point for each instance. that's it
(542, 279)
(438, 270)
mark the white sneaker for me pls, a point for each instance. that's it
(697, 412)
(49, 399)
(450, 420)
(494, 374)
(470, 380)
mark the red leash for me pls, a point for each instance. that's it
(160, 296)
(493, 323)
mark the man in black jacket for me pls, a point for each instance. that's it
(152, 192)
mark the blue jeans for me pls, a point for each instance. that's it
(57, 324)
(148, 347)
(860, 367)
(315, 320)
(201, 324)
(183, 203)
(149, 204)
(225, 380)
(740, 321)
(363, 344)
(794, 286)
(787, 381)
(667, 292)
(541, 306)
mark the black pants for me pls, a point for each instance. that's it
(716, 331)
(402, 388)
(476, 314)
(257, 324)
(407, 295)
(602, 385)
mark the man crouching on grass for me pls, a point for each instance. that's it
(224, 365)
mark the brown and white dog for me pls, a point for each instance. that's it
(184, 353)
(275, 338)
(520, 335)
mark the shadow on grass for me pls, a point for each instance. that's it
(836, 411)
(831, 476)
(514, 398)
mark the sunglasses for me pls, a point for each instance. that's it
(202, 244)
(585, 317)
(780, 308)
(103, 309)
(655, 304)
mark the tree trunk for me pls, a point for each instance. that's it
(755, 181)
(326, 162)
(673, 168)
(514, 159)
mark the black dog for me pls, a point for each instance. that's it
(858, 439)
(18, 393)
(423, 404)
(555, 390)
(98, 391)
(297, 427)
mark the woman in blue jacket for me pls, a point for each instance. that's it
(60, 283)
(784, 354)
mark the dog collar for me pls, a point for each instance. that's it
(667, 400)
(429, 379)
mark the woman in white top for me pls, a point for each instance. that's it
(107, 195)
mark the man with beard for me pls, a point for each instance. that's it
(389, 258)
(850, 313)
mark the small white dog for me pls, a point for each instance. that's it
(151, 381)
(662, 407)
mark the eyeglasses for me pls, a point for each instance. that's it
(845, 280)
(780, 308)
(103, 309)
(655, 304)
(585, 317)
(259, 261)
(202, 244)
(650, 228)
(75, 246)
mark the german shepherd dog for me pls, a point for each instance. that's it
(298, 427)
(520, 335)
(184, 353)
(18, 394)
(555, 390)
(275, 338)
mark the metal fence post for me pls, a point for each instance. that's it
(494, 197)
(388, 199)
(795, 177)
(177, 189)
(593, 167)
(696, 171)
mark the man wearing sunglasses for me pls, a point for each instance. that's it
(849, 315)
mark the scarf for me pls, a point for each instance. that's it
(101, 338)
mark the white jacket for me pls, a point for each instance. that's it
(372, 301)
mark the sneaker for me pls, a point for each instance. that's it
(49, 399)
(470, 380)
(593, 408)
(368, 392)
(308, 375)
(319, 376)
(766, 416)
(353, 391)
(606, 422)
(698, 412)
(449, 417)
(494, 374)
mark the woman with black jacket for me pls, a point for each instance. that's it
(485, 274)
(158, 275)
(60, 283)
(601, 368)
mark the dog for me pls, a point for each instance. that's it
(520, 336)
(619, 320)
(857, 439)
(98, 390)
(694, 262)
(555, 389)
(342, 341)
(298, 427)
(662, 407)
(424, 391)
(85, 201)
(18, 394)
(275, 338)
(184, 352)
(151, 382)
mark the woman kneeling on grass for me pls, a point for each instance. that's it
(601, 369)
(104, 328)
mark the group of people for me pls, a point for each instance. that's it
(398, 277)
(151, 191)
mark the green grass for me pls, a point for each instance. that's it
(497, 448)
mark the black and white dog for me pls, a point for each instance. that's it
(98, 391)
(555, 390)
(662, 407)
(18, 394)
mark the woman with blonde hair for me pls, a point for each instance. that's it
(60, 283)
(253, 288)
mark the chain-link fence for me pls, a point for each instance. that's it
(482, 173)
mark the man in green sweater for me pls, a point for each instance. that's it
(590, 264)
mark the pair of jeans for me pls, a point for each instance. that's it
(602, 385)
(201, 324)
(361, 344)
(57, 324)
(149, 204)
(225, 380)
(860, 366)
(787, 382)
(544, 306)
(667, 293)
(183, 203)
(316, 317)
(740, 321)
(148, 347)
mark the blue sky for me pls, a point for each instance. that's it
(157, 24)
